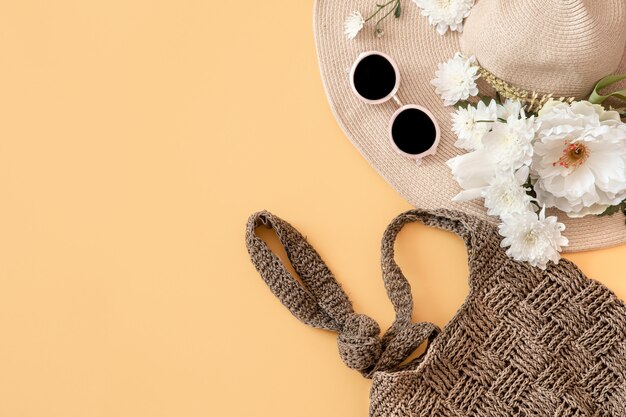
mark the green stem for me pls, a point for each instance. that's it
(393, 9)
(380, 7)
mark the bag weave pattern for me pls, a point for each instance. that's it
(525, 342)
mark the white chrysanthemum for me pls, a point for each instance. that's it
(510, 143)
(507, 195)
(579, 165)
(509, 108)
(533, 239)
(456, 79)
(353, 24)
(507, 147)
(446, 14)
(471, 123)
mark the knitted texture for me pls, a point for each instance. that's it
(525, 342)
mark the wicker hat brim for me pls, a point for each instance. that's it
(418, 49)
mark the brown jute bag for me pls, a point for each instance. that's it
(525, 342)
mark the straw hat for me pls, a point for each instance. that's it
(549, 46)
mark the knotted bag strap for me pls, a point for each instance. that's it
(319, 301)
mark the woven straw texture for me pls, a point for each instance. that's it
(526, 342)
(550, 46)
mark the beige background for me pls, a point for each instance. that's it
(135, 139)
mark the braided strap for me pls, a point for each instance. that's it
(320, 302)
(396, 284)
(397, 341)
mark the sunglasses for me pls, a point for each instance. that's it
(413, 130)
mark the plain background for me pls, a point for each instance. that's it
(135, 139)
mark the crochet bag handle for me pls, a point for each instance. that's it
(320, 302)
(396, 284)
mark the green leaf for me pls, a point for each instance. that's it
(607, 81)
(530, 190)
(609, 211)
(462, 104)
(614, 209)
(398, 10)
(486, 100)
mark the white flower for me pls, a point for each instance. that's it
(456, 79)
(471, 123)
(509, 108)
(579, 165)
(531, 238)
(474, 171)
(510, 143)
(353, 24)
(488, 171)
(446, 14)
(506, 194)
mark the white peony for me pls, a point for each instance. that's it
(456, 79)
(510, 143)
(446, 14)
(506, 195)
(472, 123)
(579, 163)
(353, 24)
(533, 239)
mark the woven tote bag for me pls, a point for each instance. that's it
(525, 342)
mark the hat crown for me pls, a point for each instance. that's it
(550, 46)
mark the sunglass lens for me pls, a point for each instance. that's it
(413, 131)
(374, 77)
